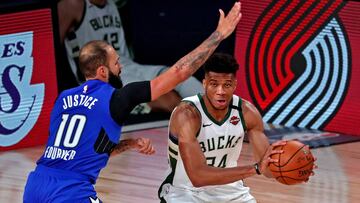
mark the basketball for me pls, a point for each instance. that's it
(295, 163)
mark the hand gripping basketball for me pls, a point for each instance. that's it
(295, 165)
(267, 159)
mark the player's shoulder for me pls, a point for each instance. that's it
(185, 116)
(186, 109)
(66, 92)
(251, 114)
(248, 107)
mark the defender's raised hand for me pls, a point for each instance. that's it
(227, 24)
(190, 63)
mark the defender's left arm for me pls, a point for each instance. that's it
(142, 145)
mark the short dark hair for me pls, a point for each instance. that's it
(221, 63)
(92, 55)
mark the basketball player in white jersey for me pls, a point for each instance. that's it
(206, 133)
(81, 21)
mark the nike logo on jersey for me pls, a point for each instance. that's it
(94, 200)
(206, 125)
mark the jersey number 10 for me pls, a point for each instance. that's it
(71, 138)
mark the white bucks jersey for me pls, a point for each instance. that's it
(221, 143)
(98, 23)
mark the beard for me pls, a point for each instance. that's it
(115, 81)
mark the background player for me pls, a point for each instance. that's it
(81, 21)
(86, 121)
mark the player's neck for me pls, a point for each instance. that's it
(97, 78)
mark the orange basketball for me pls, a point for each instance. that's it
(295, 164)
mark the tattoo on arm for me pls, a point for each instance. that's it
(197, 57)
(123, 145)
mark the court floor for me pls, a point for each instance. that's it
(133, 178)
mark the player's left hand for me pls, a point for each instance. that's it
(144, 146)
(266, 159)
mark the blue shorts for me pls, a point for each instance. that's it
(53, 185)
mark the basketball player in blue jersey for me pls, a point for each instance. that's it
(206, 133)
(86, 121)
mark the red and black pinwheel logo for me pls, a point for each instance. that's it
(298, 62)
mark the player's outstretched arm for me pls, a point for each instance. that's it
(188, 64)
(142, 145)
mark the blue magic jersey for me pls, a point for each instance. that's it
(82, 131)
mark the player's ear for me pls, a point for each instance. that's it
(101, 71)
(235, 84)
(204, 83)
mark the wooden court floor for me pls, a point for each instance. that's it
(134, 178)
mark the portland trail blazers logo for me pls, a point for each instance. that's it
(20, 101)
(298, 62)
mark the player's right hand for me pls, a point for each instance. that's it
(228, 24)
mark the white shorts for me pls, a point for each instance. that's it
(234, 193)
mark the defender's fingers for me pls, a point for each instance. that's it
(238, 18)
(235, 10)
(222, 15)
(150, 151)
(147, 147)
(143, 142)
(140, 142)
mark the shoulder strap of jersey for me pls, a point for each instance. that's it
(238, 107)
